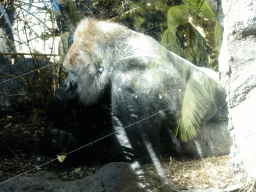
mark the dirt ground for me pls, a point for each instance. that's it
(183, 173)
(212, 172)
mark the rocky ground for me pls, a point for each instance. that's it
(184, 174)
(24, 158)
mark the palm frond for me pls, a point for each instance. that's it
(198, 100)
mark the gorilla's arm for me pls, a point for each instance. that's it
(77, 125)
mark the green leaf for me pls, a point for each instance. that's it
(61, 158)
(182, 19)
(8, 125)
(198, 100)
(77, 170)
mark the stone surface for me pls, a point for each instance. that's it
(202, 190)
(213, 139)
(113, 177)
(238, 75)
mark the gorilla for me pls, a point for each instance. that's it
(151, 99)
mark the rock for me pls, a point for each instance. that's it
(238, 75)
(213, 139)
(233, 188)
(113, 177)
(202, 190)
(39, 181)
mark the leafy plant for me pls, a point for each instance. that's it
(197, 102)
(197, 19)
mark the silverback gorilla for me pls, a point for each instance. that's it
(154, 98)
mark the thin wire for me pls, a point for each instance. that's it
(84, 146)
(10, 149)
(28, 73)
(57, 63)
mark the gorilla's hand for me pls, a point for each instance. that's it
(58, 141)
(55, 141)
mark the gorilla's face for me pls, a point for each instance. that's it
(87, 73)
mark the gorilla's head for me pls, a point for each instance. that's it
(90, 59)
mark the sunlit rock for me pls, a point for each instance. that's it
(238, 74)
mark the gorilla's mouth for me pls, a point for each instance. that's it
(67, 92)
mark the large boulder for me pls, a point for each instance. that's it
(113, 177)
(238, 75)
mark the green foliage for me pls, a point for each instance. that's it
(138, 9)
(197, 102)
(40, 92)
(39, 88)
(64, 45)
(74, 14)
(22, 130)
(196, 19)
